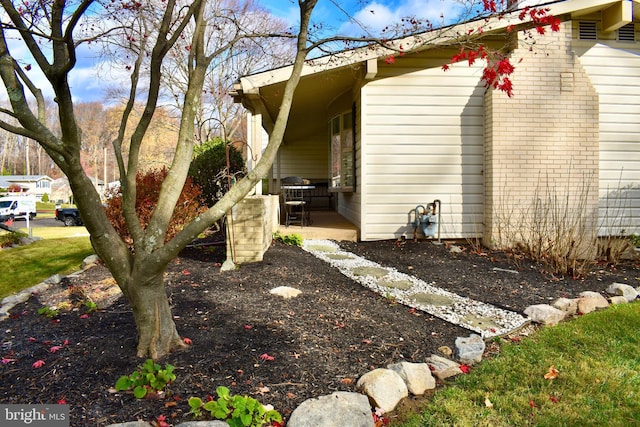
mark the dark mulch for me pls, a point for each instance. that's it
(321, 341)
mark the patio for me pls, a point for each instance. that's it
(325, 225)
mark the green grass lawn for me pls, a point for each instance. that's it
(598, 361)
(29, 265)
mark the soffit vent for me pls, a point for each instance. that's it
(627, 33)
(587, 30)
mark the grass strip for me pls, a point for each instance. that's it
(29, 265)
(598, 380)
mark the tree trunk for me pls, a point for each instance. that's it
(157, 333)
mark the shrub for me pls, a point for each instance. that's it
(45, 198)
(188, 207)
(209, 168)
(11, 239)
(288, 239)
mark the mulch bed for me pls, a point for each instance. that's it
(279, 351)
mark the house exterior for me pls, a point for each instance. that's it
(37, 185)
(389, 136)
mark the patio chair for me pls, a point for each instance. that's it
(295, 204)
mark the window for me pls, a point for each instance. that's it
(587, 30)
(341, 151)
(627, 33)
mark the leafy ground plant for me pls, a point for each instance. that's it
(293, 239)
(149, 378)
(237, 411)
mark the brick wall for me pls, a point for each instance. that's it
(541, 144)
(252, 224)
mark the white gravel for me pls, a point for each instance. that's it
(462, 312)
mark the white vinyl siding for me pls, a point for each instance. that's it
(423, 133)
(304, 158)
(615, 73)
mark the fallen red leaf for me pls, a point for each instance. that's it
(187, 341)
(266, 356)
(247, 327)
(38, 364)
(465, 369)
(532, 403)
(84, 316)
(55, 348)
(553, 399)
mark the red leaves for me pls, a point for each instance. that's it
(38, 364)
(84, 316)
(55, 348)
(248, 327)
(390, 60)
(498, 69)
(465, 369)
(489, 5)
(162, 421)
(187, 341)
(266, 357)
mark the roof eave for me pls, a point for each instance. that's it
(445, 36)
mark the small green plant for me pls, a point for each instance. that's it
(48, 312)
(237, 411)
(149, 377)
(288, 239)
(90, 306)
(635, 240)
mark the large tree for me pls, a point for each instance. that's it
(153, 31)
(148, 37)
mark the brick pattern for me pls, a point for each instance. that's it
(253, 222)
(543, 139)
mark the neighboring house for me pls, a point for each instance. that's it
(62, 190)
(37, 185)
(390, 136)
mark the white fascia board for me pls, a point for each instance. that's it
(419, 42)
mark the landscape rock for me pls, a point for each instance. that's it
(416, 376)
(54, 280)
(569, 306)
(285, 292)
(131, 424)
(384, 387)
(618, 300)
(216, 423)
(545, 314)
(469, 350)
(621, 289)
(90, 260)
(339, 409)
(590, 301)
(442, 367)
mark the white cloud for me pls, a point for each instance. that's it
(376, 15)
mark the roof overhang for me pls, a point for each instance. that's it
(262, 92)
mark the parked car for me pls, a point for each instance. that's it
(70, 216)
(14, 207)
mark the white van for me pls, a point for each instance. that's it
(17, 207)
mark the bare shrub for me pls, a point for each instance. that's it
(557, 228)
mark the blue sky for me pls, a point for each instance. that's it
(89, 80)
